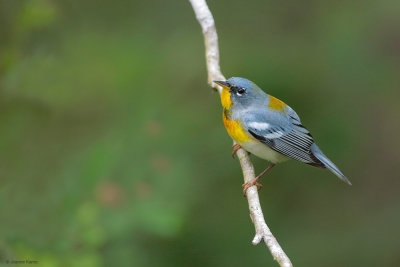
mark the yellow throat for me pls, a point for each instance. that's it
(226, 98)
(233, 127)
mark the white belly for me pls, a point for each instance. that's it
(263, 151)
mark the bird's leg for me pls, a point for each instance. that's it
(236, 147)
(249, 184)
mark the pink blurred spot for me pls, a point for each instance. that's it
(153, 128)
(160, 163)
(109, 193)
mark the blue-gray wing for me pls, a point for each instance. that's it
(283, 133)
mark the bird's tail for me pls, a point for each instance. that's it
(328, 164)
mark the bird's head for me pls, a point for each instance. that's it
(239, 91)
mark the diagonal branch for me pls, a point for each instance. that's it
(206, 20)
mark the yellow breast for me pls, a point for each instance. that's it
(234, 129)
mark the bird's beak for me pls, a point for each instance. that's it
(222, 83)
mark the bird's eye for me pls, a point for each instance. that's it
(241, 91)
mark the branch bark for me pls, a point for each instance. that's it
(206, 20)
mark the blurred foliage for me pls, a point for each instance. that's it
(113, 152)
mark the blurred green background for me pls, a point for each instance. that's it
(113, 151)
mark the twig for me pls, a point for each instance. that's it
(206, 20)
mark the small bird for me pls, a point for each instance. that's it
(268, 128)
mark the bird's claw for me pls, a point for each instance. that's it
(235, 147)
(249, 184)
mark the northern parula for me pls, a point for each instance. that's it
(268, 128)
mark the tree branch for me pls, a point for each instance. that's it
(263, 232)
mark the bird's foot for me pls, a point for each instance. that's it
(249, 184)
(236, 147)
(254, 181)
